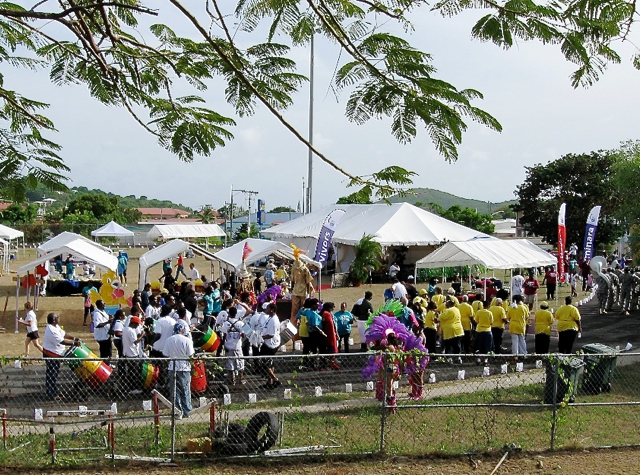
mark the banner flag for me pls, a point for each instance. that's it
(326, 234)
(562, 240)
(590, 233)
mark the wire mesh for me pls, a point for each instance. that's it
(80, 409)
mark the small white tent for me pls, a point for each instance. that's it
(4, 246)
(232, 256)
(490, 253)
(184, 231)
(165, 251)
(65, 238)
(9, 234)
(112, 229)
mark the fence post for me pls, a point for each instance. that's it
(383, 414)
(173, 412)
(4, 428)
(52, 441)
(111, 435)
(212, 419)
(554, 407)
(156, 420)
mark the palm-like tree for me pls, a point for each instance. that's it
(368, 257)
(207, 216)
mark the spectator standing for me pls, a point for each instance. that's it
(516, 284)
(499, 321)
(550, 279)
(53, 347)
(393, 271)
(131, 356)
(362, 309)
(270, 345)
(344, 321)
(194, 274)
(518, 317)
(179, 347)
(530, 288)
(569, 326)
(543, 322)
(101, 326)
(117, 328)
(123, 262)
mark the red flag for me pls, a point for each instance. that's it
(246, 251)
(562, 240)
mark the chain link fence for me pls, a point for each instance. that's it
(79, 408)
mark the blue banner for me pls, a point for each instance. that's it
(326, 234)
(590, 233)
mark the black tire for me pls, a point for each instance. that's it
(262, 432)
(606, 387)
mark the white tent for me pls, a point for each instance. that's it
(165, 251)
(232, 256)
(396, 224)
(65, 238)
(9, 234)
(82, 249)
(490, 253)
(185, 231)
(112, 229)
(5, 255)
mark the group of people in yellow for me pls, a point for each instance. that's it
(479, 326)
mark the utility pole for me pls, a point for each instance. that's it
(310, 171)
(248, 193)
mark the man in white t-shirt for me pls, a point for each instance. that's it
(399, 291)
(232, 331)
(131, 369)
(53, 347)
(101, 325)
(179, 347)
(270, 345)
(256, 322)
(153, 309)
(193, 273)
(517, 284)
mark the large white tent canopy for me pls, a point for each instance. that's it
(9, 234)
(112, 229)
(79, 248)
(396, 224)
(185, 231)
(65, 238)
(232, 256)
(166, 251)
(490, 253)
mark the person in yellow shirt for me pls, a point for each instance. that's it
(544, 320)
(438, 297)
(497, 327)
(452, 330)
(569, 325)
(477, 304)
(431, 327)
(518, 317)
(484, 337)
(451, 292)
(466, 318)
(422, 299)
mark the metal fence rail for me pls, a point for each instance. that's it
(78, 410)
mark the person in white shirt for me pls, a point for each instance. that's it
(118, 328)
(53, 347)
(233, 333)
(131, 369)
(31, 322)
(179, 347)
(393, 271)
(270, 345)
(153, 309)
(193, 273)
(399, 291)
(516, 284)
(256, 322)
(101, 326)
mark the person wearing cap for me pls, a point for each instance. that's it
(131, 338)
(412, 292)
(422, 299)
(544, 320)
(53, 347)
(179, 347)
(569, 325)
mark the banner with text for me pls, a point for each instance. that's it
(326, 234)
(590, 233)
(562, 240)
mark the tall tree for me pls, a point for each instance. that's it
(582, 182)
(101, 45)
(626, 177)
(470, 218)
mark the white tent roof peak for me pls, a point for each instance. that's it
(64, 238)
(111, 229)
(185, 231)
(79, 248)
(9, 233)
(232, 256)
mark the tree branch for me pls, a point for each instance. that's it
(55, 16)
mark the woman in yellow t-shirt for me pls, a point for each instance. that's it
(431, 327)
(497, 327)
(484, 337)
(569, 325)
(518, 316)
(452, 330)
(544, 320)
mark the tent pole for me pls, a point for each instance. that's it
(28, 289)
(17, 297)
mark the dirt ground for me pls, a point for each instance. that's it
(609, 461)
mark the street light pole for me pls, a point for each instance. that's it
(310, 171)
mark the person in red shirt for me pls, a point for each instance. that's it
(180, 267)
(530, 287)
(551, 279)
(329, 328)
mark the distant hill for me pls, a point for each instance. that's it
(130, 201)
(447, 200)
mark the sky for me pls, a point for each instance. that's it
(527, 88)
